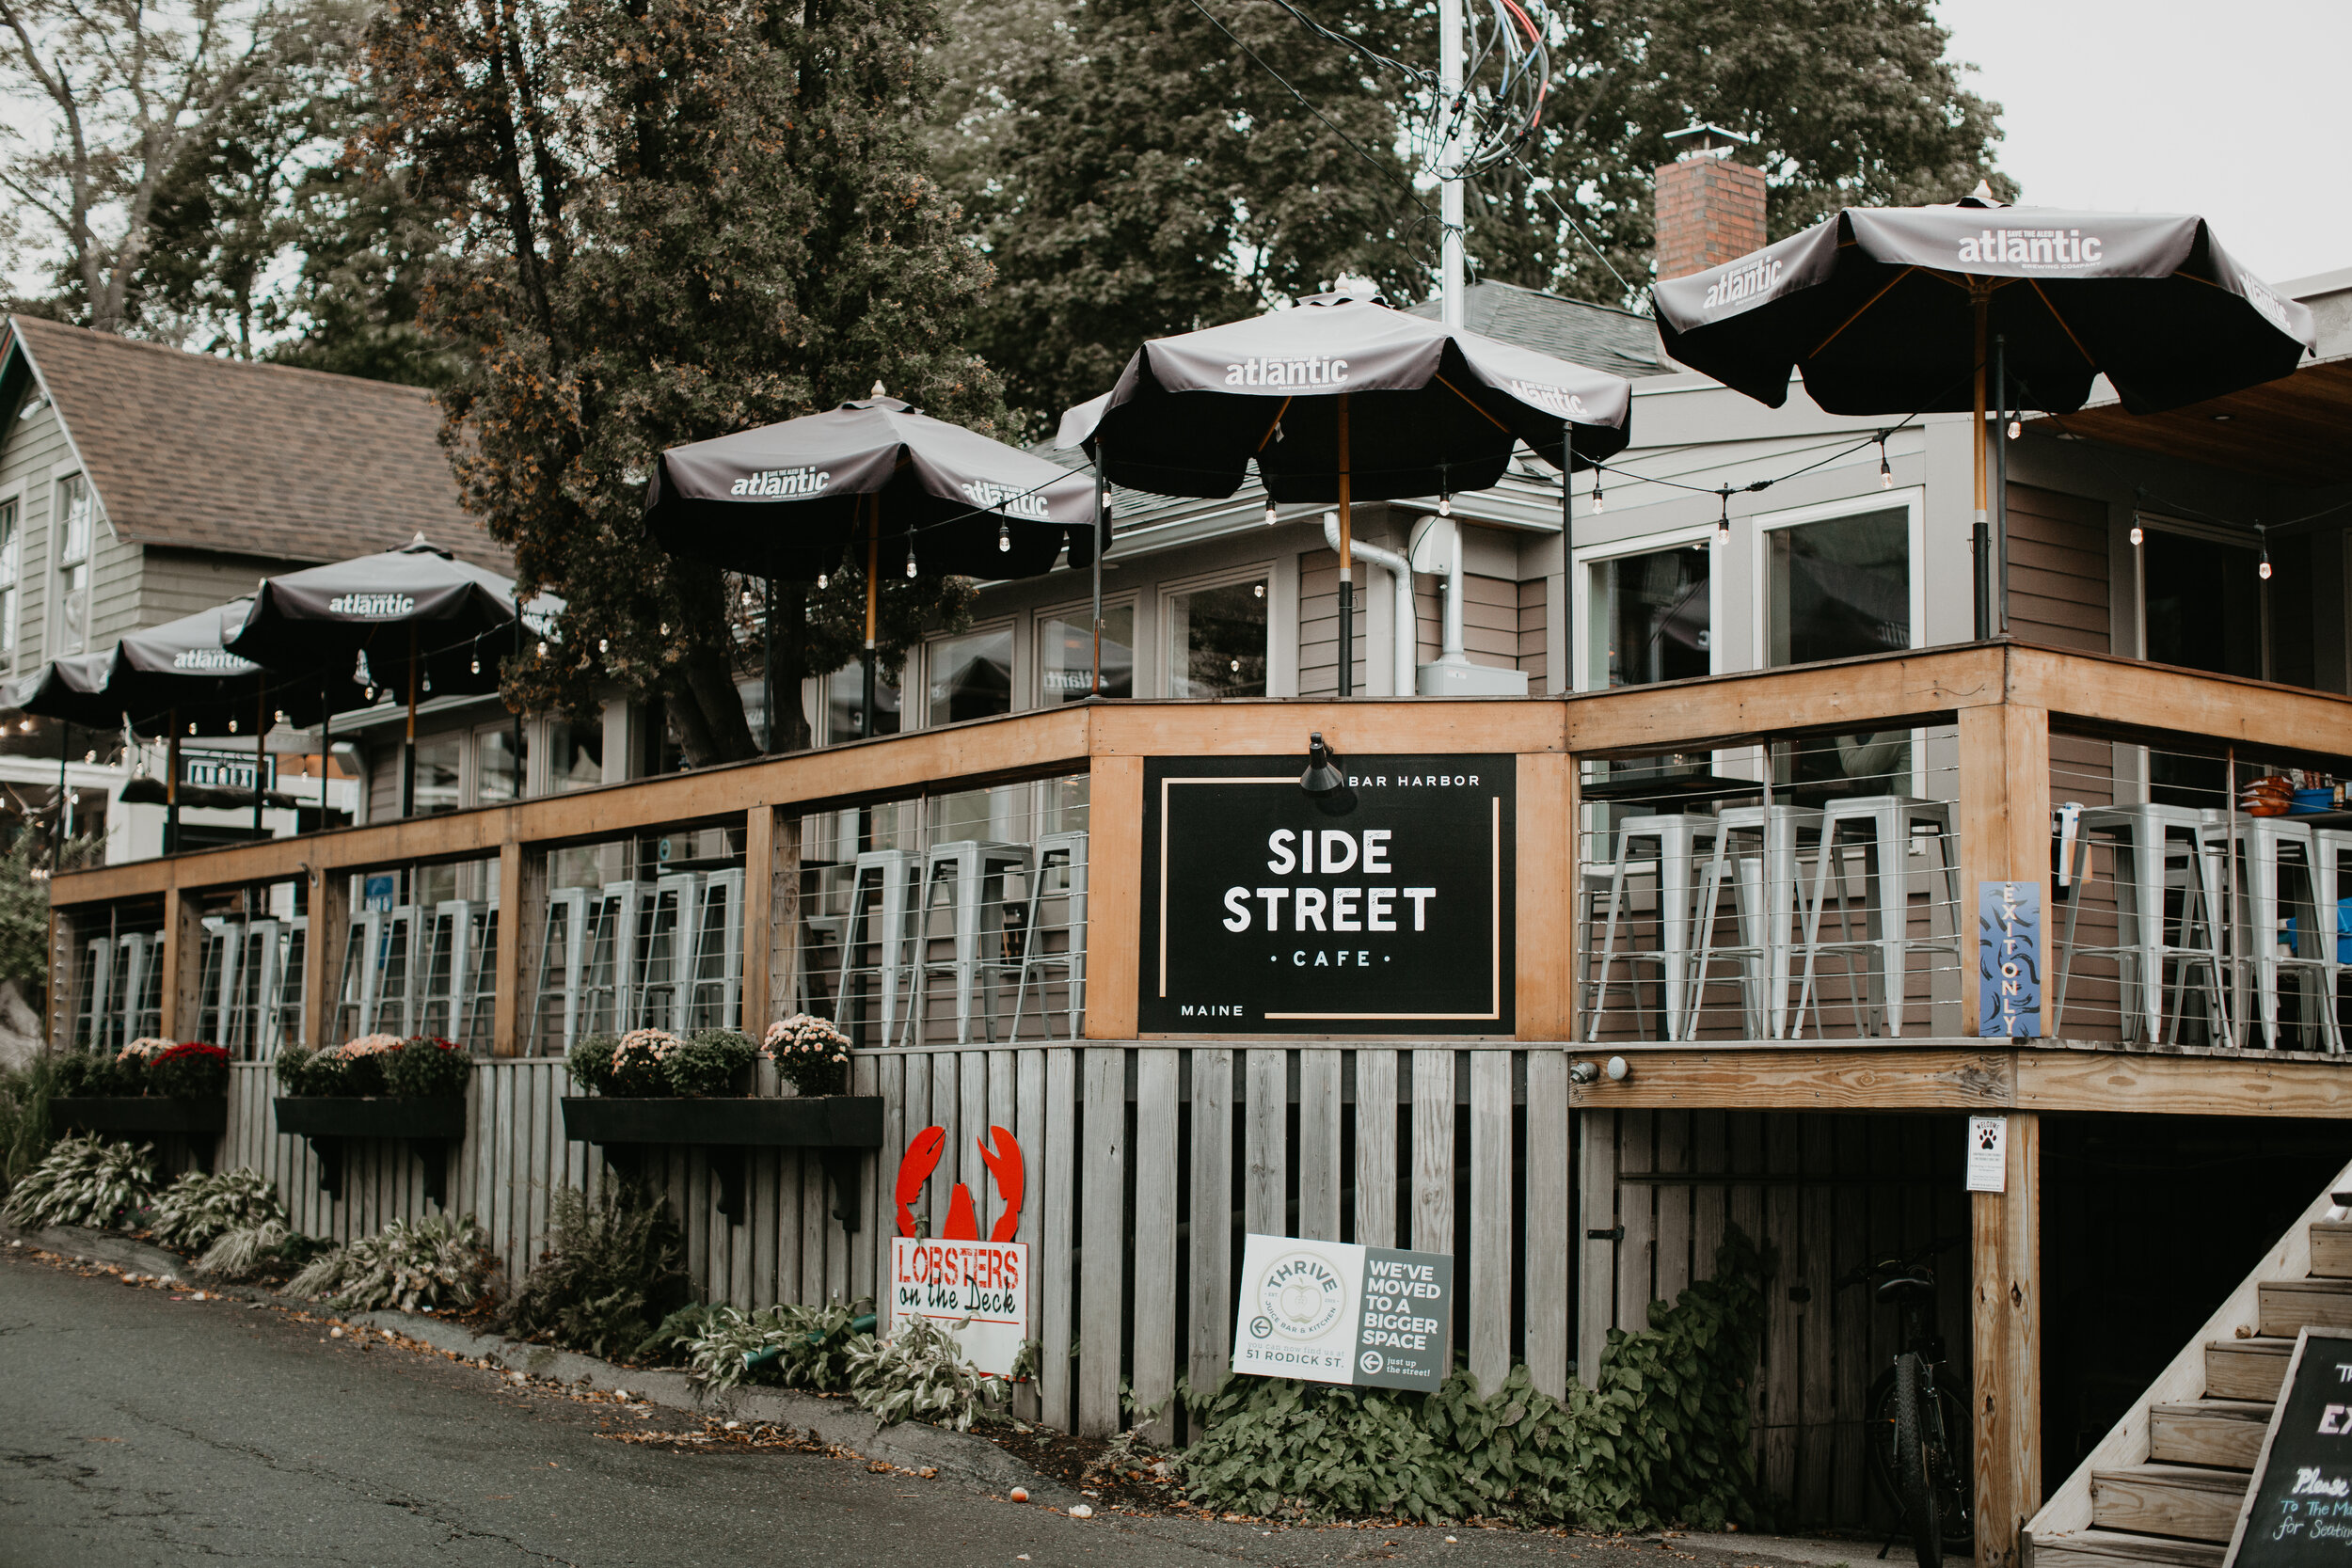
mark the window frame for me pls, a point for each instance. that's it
(1008, 625)
(11, 573)
(1590, 556)
(62, 565)
(2158, 522)
(1227, 576)
(1127, 599)
(1911, 498)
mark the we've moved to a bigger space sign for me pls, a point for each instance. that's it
(1336, 1312)
(1385, 908)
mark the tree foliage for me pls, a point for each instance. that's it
(669, 220)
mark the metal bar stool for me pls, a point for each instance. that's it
(2329, 848)
(562, 970)
(1770, 896)
(1677, 838)
(1065, 853)
(1890, 821)
(881, 905)
(969, 868)
(2267, 955)
(2157, 847)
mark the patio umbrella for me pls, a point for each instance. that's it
(414, 619)
(1907, 310)
(1343, 399)
(790, 501)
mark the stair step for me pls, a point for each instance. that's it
(2106, 1548)
(2246, 1368)
(2331, 1250)
(2290, 1305)
(2166, 1499)
(2223, 1433)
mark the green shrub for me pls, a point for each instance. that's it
(1662, 1438)
(920, 1374)
(590, 1062)
(194, 1211)
(304, 1071)
(190, 1071)
(715, 1061)
(243, 1251)
(799, 1347)
(427, 1068)
(94, 1073)
(612, 1272)
(25, 1096)
(83, 1182)
(435, 1261)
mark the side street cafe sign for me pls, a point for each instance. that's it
(1336, 1312)
(1384, 908)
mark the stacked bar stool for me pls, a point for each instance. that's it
(1675, 841)
(2269, 848)
(1770, 896)
(1884, 952)
(1062, 855)
(2330, 848)
(882, 907)
(2157, 847)
(970, 870)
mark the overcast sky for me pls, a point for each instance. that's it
(2232, 111)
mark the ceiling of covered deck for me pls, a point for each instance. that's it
(2295, 431)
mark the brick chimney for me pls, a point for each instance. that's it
(1709, 209)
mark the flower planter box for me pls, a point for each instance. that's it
(140, 1114)
(838, 1126)
(328, 1121)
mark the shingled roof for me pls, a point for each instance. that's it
(192, 451)
(1593, 336)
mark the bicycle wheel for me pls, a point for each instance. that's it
(1879, 1442)
(1955, 1479)
(1913, 1483)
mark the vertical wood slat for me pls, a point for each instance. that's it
(1376, 1148)
(1153, 1235)
(1490, 1218)
(1433, 1151)
(946, 1115)
(2005, 1342)
(1114, 896)
(1850, 1309)
(814, 1225)
(1710, 1150)
(869, 1249)
(1319, 1145)
(1637, 1254)
(1673, 1206)
(1211, 1318)
(1596, 1219)
(760, 925)
(1545, 1287)
(1104, 1202)
(1816, 1368)
(1265, 1154)
(1058, 1227)
(1029, 1128)
(1781, 1352)
(971, 1117)
(509, 1016)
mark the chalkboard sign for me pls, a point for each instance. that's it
(2299, 1511)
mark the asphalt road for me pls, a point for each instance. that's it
(138, 1429)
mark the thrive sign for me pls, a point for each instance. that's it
(1383, 909)
(1335, 1312)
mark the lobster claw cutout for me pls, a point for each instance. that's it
(964, 1221)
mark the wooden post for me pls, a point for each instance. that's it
(2005, 1330)
(760, 907)
(330, 911)
(1115, 898)
(1546, 1000)
(2005, 836)
(184, 940)
(522, 898)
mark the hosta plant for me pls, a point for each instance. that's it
(436, 1262)
(920, 1374)
(84, 1182)
(246, 1250)
(799, 1347)
(194, 1211)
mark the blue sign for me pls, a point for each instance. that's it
(2009, 960)
(377, 893)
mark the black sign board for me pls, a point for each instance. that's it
(1385, 908)
(2299, 1511)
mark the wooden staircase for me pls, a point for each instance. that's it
(2165, 1486)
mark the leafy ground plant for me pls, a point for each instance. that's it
(194, 1211)
(920, 1374)
(613, 1271)
(265, 1246)
(24, 1136)
(436, 1262)
(799, 1347)
(84, 1182)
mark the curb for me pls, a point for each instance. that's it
(73, 1240)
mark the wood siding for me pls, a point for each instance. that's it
(2058, 569)
(35, 451)
(1534, 611)
(1319, 622)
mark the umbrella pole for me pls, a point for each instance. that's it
(873, 565)
(171, 781)
(261, 751)
(1101, 494)
(408, 747)
(1568, 547)
(1981, 540)
(768, 661)
(326, 747)
(65, 747)
(2000, 474)
(1347, 568)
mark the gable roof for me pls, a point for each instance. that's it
(1595, 336)
(199, 453)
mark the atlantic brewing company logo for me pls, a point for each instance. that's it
(369, 605)
(1758, 278)
(1286, 372)
(1558, 398)
(208, 658)
(783, 481)
(1005, 498)
(2033, 247)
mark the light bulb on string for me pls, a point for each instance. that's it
(2016, 428)
(2139, 538)
(477, 664)
(232, 727)
(1887, 472)
(1722, 519)
(543, 650)
(428, 685)
(824, 580)
(191, 729)
(2264, 570)
(1445, 506)
(1599, 506)
(910, 555)
(1271, 515)
(1004, 537)
(604, 644)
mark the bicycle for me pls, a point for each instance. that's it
(1918, 1423)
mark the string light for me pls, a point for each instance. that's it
(1445, 506)
(232, 727)
(2264, 568)
(1004, 537)
(2016, 428)
(604, 644)
(1599, 506)
(191, 728)
(2138, 537)
(824, 580)
(910, 555)
(477, 664)
(1887, 472)
(1722, 520)
(1271, 516)
(543, 650)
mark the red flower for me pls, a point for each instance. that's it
(433, 1040)
(188, 1049)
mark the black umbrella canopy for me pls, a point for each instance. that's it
(72, 689)
(787, 500)
(183, 670)
(358, 620)
(1428, 409)
(1878, 309)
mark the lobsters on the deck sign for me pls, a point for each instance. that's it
(1382, 908)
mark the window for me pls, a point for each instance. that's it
(1217, 641)
(1065, 655)
(11, 560)
(1840, 587)
(497, 771)
(2204, 603)
(575, 755)
(971, 676)
(438, 788)
(1651, 618)
(74, 550)
(845, 703)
